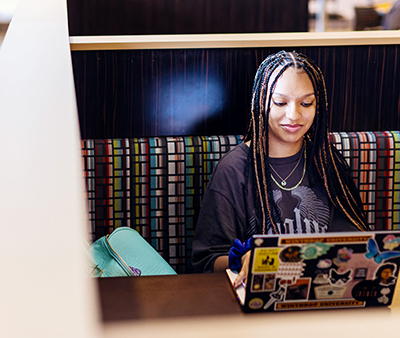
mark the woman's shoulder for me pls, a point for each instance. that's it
(232, 166)
(234, 158)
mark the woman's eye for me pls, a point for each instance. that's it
(305, 104)
(279, 104)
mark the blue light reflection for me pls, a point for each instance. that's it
(188, 100)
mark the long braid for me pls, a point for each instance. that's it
(264, 192)
(324, 159)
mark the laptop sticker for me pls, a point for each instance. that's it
(385, 274)
(266, 260)
(373, 252)
(290, 254)
(337, 278)
(298, 291)
(314, 250)
(290, 271)
(324, 264)
(275, 297)
(391, 242)
(256, 303)
(360, 273)
(257, 283)
(321, 278)
(343, 256)
(329, 292)
(263, 282)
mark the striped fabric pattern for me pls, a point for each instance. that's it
(374, 158)
(155, 184)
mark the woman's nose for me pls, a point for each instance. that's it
(292, 112)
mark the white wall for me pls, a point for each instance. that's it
(45, 288)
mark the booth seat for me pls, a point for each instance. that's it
(155, 184)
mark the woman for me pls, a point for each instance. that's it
(286, 177)
(384, 275)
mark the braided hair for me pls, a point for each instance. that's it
(324, 159)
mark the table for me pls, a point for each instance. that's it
(204, 305)
(151, 297)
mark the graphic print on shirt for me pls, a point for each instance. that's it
(302, 211)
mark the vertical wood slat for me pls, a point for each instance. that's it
(131, 17)
(132, 93)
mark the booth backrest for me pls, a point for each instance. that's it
(155, 185)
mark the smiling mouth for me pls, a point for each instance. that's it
(292, 128)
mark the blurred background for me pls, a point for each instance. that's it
(324, 15)
(348, 15)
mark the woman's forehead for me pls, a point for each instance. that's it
(289, 77)
(276, 71)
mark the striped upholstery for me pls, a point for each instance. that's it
(375, 160)
(155, 185)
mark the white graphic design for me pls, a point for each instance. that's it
(310, 214)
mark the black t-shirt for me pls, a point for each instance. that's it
(304, 209)
(228, 209)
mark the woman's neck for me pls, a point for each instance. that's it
(280, 151)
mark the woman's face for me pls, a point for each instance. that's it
(386, 274)
(292, 113)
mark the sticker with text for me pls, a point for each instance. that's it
(266, 260)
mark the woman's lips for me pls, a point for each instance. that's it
(291, 128)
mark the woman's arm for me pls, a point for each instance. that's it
(221, 263)
(223, 213)
(242, 276)
(215, 233)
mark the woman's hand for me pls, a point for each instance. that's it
(242, 276)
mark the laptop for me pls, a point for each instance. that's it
(320, 271)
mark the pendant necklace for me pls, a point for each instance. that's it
(283, 183)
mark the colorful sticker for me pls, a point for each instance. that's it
(314, 250)
(266, 260)
(380, 290)
(269, 282)
(261, 283)
(379, 257)
(257, 283)
(384, 275)
(391, 242)
(343, 256)
(299, 290)
(290, 254)
(256, 303)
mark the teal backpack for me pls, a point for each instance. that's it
(125, 253)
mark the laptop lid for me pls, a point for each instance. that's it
(321, 271)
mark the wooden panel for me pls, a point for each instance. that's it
(249, 40)
(126, 17)
(133, 93)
